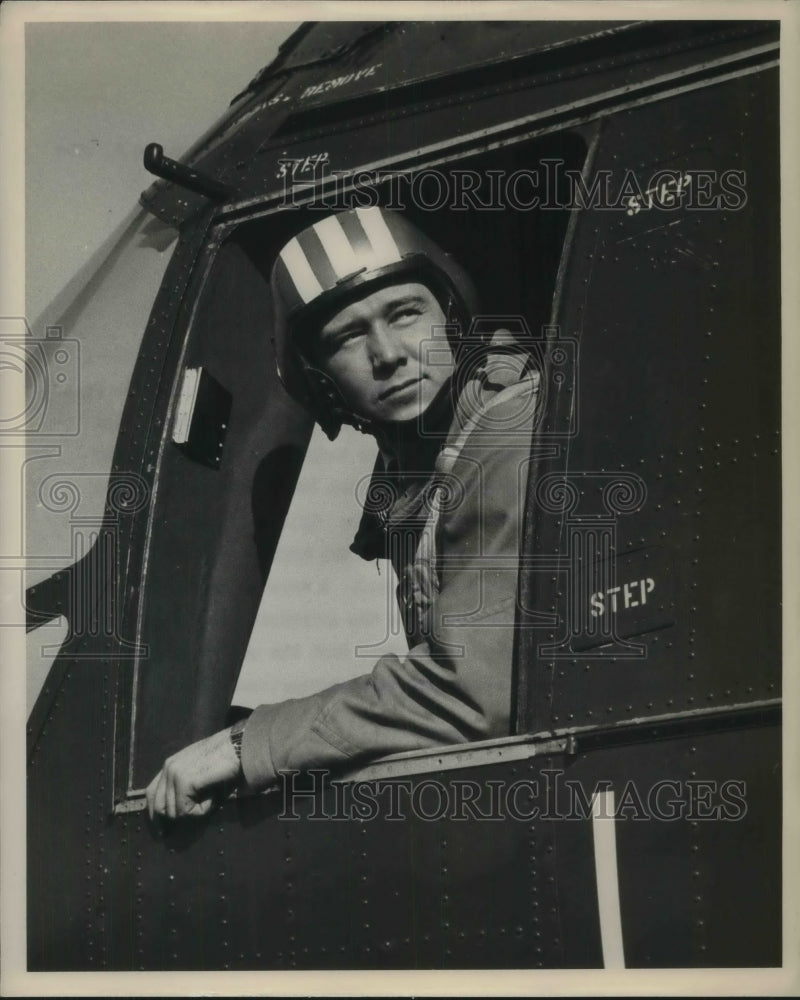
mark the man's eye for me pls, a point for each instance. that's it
(405, 315)
(348, 337)
(340, 340)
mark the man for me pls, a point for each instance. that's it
(372, 328)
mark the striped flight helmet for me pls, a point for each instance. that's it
(336, 261)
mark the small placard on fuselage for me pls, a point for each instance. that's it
(628, 595)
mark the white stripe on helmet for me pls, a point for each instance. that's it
(305, 281)
(384, 248)
(337, 246)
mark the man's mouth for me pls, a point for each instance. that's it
(399, 387)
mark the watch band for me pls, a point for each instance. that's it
(236, 735)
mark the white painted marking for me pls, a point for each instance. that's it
(305, 281)
(605, 865)
(337, 246)
(384, 248)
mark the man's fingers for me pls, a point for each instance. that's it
(155, 794)
(149, 792)
(159, 799)
(170, 796)
(183, 785)
(151, 795)
(165, 797)
(201, 808)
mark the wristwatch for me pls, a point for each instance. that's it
(236, 734)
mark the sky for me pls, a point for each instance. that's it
(96, 94)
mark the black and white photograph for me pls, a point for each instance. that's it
(397, 562)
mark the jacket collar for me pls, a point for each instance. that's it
(492, 376)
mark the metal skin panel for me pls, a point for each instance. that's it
(245, 153)
(252, 888)
(683, 880)
(279, 893)
(74, 909)
(433, 128)
(440, 47)
(390, 55)
(677, 316)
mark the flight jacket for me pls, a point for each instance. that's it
(454, 542)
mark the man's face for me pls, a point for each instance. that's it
(380, 354)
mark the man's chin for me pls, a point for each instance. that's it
(403, 417)
(421, 412)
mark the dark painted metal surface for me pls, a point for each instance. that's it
(633, 52)
(678, 321)
(418, 49)
(427, 132)
(253, 888)
(682, 880)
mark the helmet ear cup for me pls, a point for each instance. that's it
(328, 405)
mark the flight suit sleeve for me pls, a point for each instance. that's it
(453, 687)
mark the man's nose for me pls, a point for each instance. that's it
(385, 348)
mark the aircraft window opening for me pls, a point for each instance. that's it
(288, 657)
(279, 608)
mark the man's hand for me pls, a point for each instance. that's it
(181, 787)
